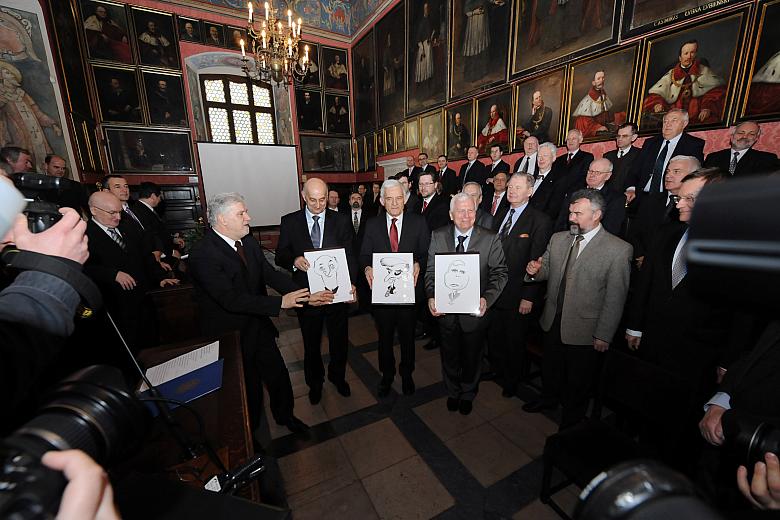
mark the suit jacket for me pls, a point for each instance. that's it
(642, 168)
(295, 239)
(477, 173)
(548, 197)
(501, 166)
(621, 167)
(652, 214)
(566, 177)
(612, 217)
(488, 192)
(449, 182)
(680, 331)
(493, 272)
(526, 241)
(414, 239)
(484, 219)
(519, 163)
(233, 296)
(436, 213)
(154, 227)
(753, 162)
(596, 292)
(358, 236)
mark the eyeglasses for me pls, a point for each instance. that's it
(598, 172)
(112, 213)
(689, 199)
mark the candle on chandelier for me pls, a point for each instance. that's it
(250, 12)
(289, 46)
(306, 54)
(262, 35)
(266, 10)
(300, 24)
(243, 52)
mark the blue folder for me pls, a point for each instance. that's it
(189, 387)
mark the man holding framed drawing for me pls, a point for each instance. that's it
(392, 241)
(463, 335)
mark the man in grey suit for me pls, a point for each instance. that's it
(463, 336)
(587, 271)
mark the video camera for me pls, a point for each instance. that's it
(46, 196)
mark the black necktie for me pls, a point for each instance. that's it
(733, 163)
(459, 248)
(507, 225)
(620, 154)
(568, 159)
(658, 169)
(240, 251)
(116, 237)
(525, 165)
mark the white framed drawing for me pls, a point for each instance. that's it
(393, 278)
(457, 285)
(328, 270)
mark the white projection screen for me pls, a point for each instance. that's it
(267, 176)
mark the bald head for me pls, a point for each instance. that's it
(315, 195)
(106, 208)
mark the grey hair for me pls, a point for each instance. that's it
(391, 183)
(553, 149)
(609, 163)
(462, 196)
(576, 131)
(682, 112)
(693, 161)
(219, 204)
(734, 128)
(595, 198)
(527, 176)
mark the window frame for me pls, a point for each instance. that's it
(229, 106)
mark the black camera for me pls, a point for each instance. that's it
(749, 438)
(47, 195)
(92, 411)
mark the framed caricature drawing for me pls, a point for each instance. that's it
(393, 278)
(329, 271)
(457, 286)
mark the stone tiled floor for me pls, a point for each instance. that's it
(406, 456)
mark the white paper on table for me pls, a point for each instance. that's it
(180, 365)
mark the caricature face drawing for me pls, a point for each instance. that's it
(456, 278)
(396, 270)
(328, 268)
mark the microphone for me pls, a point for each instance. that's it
(229, 482)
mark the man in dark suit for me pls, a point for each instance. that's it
(316, 227)
(473, 170)
(598, 178)
(367, 199)
(422, 163)
(122, 265)
(145, 208)
(570, 168)
(413, 202)
(497, 164)
(646, 173)
(483, 219)
(527, 163)
(587, 270)
(230, 274)
(494, 199)
(448, 178)
(549, 178)
(741, 159)
(431, 205)
(524, 233)
(395, 232)
(623, 156)
(462, 335)
(359, 216)
(411, 171)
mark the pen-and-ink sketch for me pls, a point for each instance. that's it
(457, 283)
(393, 278)
(329, 271)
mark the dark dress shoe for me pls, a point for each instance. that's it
(384, 388)
(453, 404)
(315, 394)
(431, 345)
(342, 387)
(295, 425)
(408, 385)
(538, 406)
(508, 392)
(465, 407)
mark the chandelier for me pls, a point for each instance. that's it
(273, 45)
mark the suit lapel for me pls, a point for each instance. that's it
(520, 222)
(303, 227)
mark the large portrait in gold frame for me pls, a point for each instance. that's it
(762, 80)
(538, 107)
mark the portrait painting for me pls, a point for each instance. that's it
(370, 140)
(334, 68)
(412, 133)
(156, 38)
(480, 39)
(389, 134)
(309, 53)
(494, 119)
(432, 132)
(326, 154)
(692, 69)
(31, 112)
(762, 99)
(308, 104)
(457, 283)
(390, 65)
(361, 163)
(551, 31)
(118, 97)
(234, 37)
(427, 40)
(337, 113)
(538, 108)
(106, 31)
(329, 271)
(393, 279)
(400, 136)
(460, 129)
(165, 99)
(641, 16)
(189, 29)
(600, 94)
(136, 151)
(379, 139)
(214, 34)
(363, 61)
(67, 25)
